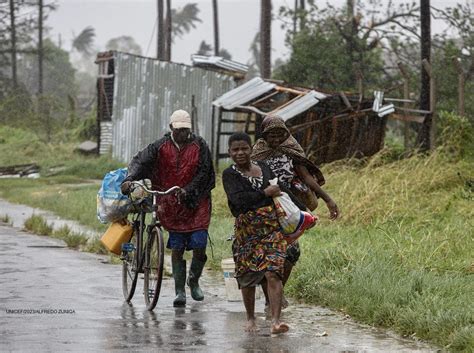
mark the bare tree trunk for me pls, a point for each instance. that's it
(265, 38)
(353, 29)
(461, 85)
(13, 44)
(40, 48)
(350, 9)
(302, 17)
(424, 140)
(216, 27)
(43, 105)
(160, 32)
(168, 30)
(295, 17)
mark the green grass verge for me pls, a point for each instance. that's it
(23, 147)
(4, 218)
(38, 225)
(401, 256)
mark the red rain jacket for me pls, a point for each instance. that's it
(189, 168)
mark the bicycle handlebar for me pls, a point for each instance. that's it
(169, 191)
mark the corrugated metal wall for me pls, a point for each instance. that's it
(147, 91)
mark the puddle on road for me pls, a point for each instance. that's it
(214, 325)
(210, 326)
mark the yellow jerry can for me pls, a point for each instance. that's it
(117, 234)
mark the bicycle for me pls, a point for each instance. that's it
(144, 254)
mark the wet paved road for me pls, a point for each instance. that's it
(71, 301)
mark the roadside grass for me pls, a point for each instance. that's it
(363, 273)
(4, 218)
(18, 146)
(95, 246)
(38, 225)
(69, 201)
(401, 256)
(73, 240)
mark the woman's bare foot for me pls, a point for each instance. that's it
(280, 327)
(251, 326)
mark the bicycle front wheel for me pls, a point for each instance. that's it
(130, 267)
(153, 269)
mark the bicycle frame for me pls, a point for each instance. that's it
(142, 260)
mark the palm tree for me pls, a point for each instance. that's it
(82, 43)
(178, 23)
(184, 19)
(206, 49)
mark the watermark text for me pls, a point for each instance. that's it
(40, 311)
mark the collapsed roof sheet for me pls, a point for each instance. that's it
(299, 105)
(220, 62)
(244, 93)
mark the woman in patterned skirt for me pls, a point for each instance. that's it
(259, 247)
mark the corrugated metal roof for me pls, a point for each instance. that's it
(378, 106)
(244, 93)
(219, 62)
(299, 105)
(147, 91)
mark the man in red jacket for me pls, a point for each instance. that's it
(183, 159)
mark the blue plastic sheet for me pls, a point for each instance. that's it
(112, 205)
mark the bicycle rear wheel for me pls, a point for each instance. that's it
(130, 267)
(153, 268)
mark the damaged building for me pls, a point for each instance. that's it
(136, 96)
(329, 126)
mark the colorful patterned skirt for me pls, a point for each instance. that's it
(259, 245)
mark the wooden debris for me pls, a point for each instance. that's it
(20, 170)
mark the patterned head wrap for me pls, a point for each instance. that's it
(272, 122)
(290, 147)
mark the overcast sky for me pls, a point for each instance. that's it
(239, 21)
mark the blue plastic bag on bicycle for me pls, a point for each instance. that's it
(112, 205)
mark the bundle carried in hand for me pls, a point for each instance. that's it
(292, 220)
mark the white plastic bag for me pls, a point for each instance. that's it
(292, 220)
(289, 215)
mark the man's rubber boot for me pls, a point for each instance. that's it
(195, 272)
(179, 275)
